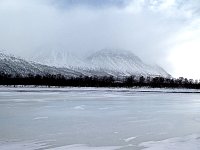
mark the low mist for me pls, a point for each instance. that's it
(148, 28)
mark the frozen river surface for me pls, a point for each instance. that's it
(99, 119)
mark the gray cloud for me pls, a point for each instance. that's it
(146, 27)
(91, 3)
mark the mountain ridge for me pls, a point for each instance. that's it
(125, 63)
(101, 63)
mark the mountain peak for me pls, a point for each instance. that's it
(59, 58)
(114, 52)
(123, 62)
(102, 63)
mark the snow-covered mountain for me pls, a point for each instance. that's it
(123, 63)
(59, 58)
(17, 66)
(102, 63)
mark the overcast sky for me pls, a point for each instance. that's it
(166, 32)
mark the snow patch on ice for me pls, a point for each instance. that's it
(42, 145)
(22, 145)
(197, 119)
(105, 108)
(81, 107)
(85, 147)
(191, 142)
(130, 139)
(38, 118)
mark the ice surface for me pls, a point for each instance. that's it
(99, 118)
(191, 142)
(85, 147)
(41, 145)
(37, 118)
(81, 107)
(22, 145)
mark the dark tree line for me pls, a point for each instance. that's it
(96, 81)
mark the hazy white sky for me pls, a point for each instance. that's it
(166, 32)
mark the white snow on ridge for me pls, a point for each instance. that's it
(17, 66)
(59, 58)
(124, 63)
(103, 62)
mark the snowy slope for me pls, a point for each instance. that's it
(17, 66)
(123, 63)
(102, 63)
(59, 58)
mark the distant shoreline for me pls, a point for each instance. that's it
(59, 80)
(29, 88)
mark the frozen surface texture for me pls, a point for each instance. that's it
(191, 142)
(99, 119)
